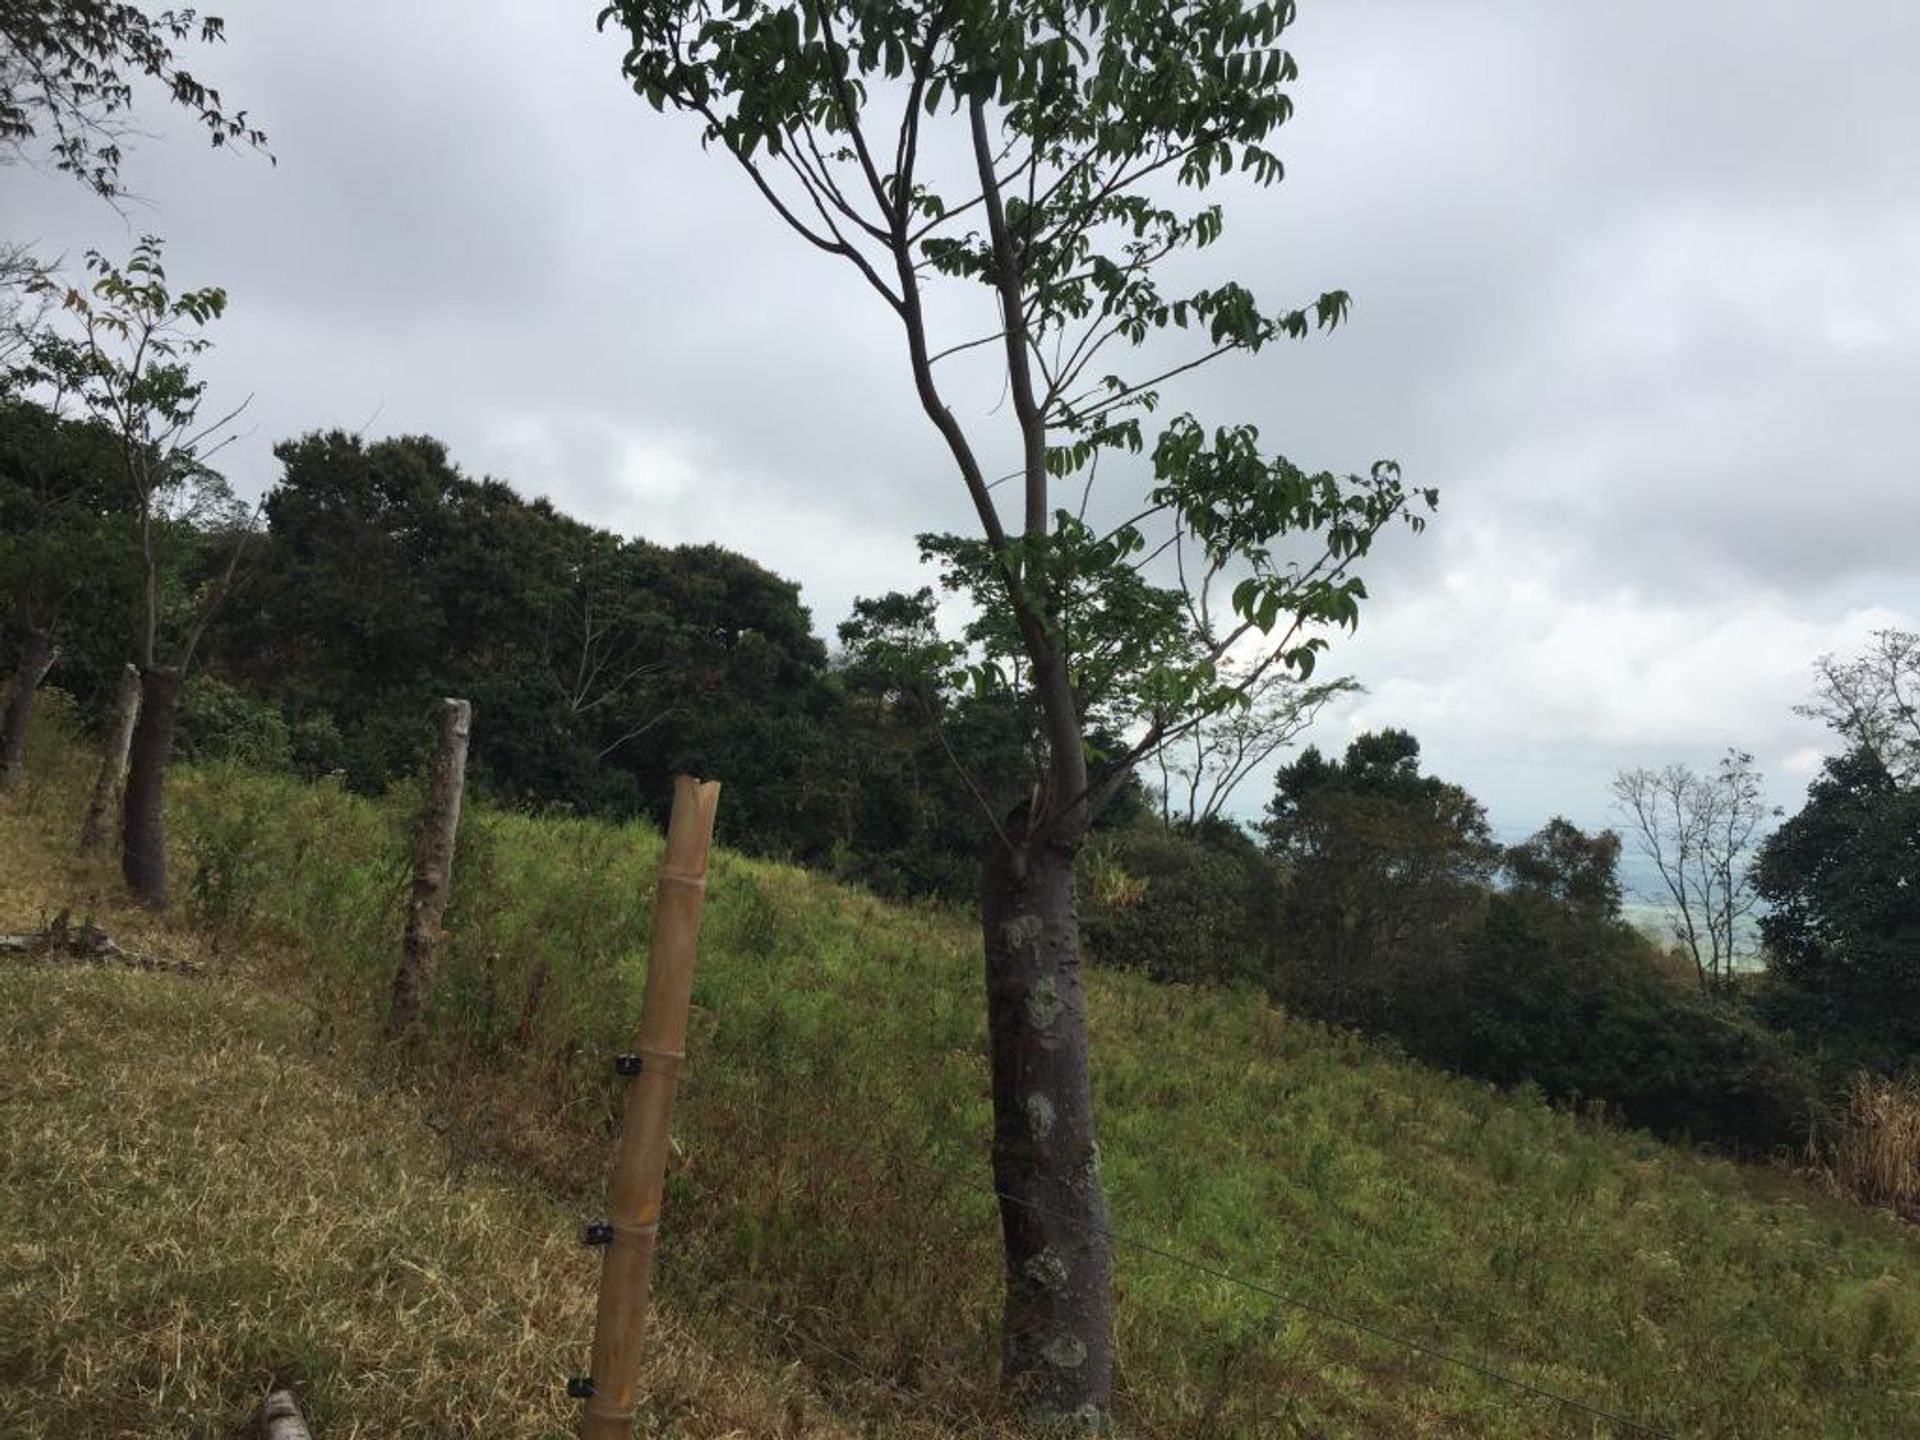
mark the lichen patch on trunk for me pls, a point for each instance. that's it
(1039, 1116)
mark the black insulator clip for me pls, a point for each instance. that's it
(579, 1387)
(628, 1064)
(596, 1232)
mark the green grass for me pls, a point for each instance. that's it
(831, 1162)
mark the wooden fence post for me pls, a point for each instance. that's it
(640, 1156)
(113, 764)
(432, 869)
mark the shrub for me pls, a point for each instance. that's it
(220, 722)
(232, 834)
(1159, 902)
(1578, 1005)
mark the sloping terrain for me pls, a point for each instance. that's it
(209, 1185)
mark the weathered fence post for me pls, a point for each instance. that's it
(113, 763)
(640, 1156)
(432, 869)
(37, 656)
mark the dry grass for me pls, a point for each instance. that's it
(1877, 1157)
(195, 1212)
(198, 1204)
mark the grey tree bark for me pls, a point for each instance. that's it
(1057, 1355)
(432, 870)
(113, 764)
(143, 831)
(37, 654)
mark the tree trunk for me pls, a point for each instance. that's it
(113, 764)
(432, 869)
(143, 832)
(1057, 1351)
(37, 654)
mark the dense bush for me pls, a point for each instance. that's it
(1578, 1004)
(219, 722)
(1393, 918)
(1172, 906)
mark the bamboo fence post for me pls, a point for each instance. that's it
(113, 763)
(640, 1155)
(432, 870)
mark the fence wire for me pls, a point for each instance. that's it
(954, 1180)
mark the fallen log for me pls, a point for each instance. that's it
(86, 941)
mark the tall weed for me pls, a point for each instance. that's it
(1877, 1155)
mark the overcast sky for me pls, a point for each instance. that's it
(1637, 287)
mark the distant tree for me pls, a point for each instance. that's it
(892, 651)
(1030, 152)
(1384, 868)
(136, 341)
(1700, 831)
(929, 766)
(67, 74)
(599, 664)
(1841, 881)
(1873, 701)
(1561, 862)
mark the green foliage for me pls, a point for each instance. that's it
(597, 667)
(1563, 998)
(1562, 863)
(1842, 930)
(219, 722)
(1388, 920)
(1385, 869)
(231, 830)
(67, 74)
(1168, 905)
(65, 532)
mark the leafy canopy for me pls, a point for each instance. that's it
(67, 74)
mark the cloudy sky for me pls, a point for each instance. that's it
(1637, 287)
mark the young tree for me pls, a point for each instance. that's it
(1873, 701)
(1563, 863)
(1700, 832)
(137, 339)
(67, 75)
(1032, 153)
(1384, 868)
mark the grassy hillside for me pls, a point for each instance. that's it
(829, 1190)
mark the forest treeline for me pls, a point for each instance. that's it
(377, 577)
